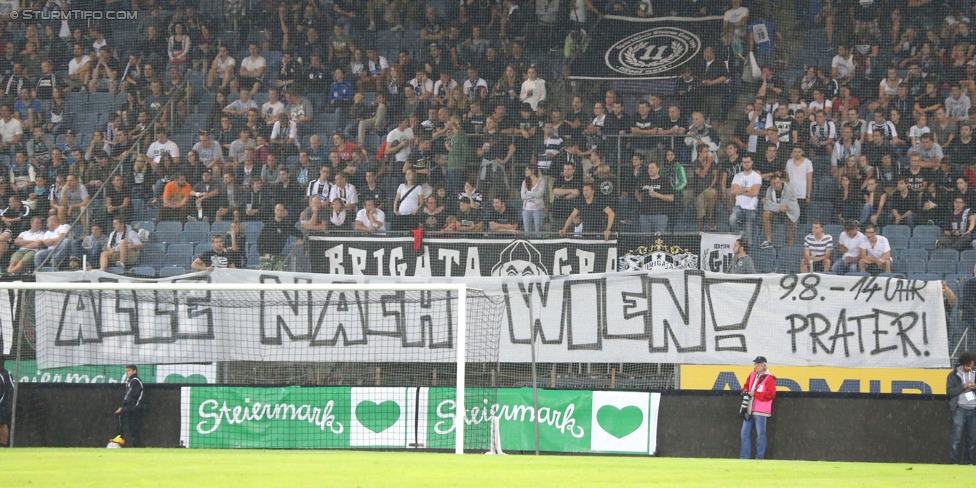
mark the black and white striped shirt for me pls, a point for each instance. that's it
(318, 188)
(818, 247)
(551, 147)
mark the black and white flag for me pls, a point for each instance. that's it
(649, 49)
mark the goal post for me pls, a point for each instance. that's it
(406, 336)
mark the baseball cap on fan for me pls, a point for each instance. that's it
(760, 359)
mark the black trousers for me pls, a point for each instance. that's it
(131, 421)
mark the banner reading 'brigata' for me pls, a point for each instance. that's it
(635, 48)
(684, 317)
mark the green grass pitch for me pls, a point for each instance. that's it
(191, 468)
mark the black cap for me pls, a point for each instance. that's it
(527, 107)
(465, 199)
(760, 359)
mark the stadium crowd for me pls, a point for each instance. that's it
(266, 122)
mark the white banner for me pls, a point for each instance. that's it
(716, 251)
(687, 317)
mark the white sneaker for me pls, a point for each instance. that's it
(766, 245)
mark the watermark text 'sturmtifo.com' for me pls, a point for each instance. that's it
(75, 14)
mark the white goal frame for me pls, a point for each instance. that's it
(460, 288)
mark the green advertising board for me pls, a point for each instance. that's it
(28, 372)
(296, 417)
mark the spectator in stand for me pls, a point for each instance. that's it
(874, 202)
(274, 236)
(929, 152)
(958, 227)
(590, 215)
(57, 244)
(957, 105)
(176, 200)
(742, 264)
(875, 252)
(850, 244)
(252, 71)
(223, 67)
(533, 193)
(817, 247)
(217, 257)
(118, 199)
(745, 190)
(655, 197)
(74, 200)
(370, 218)
(239, 108)
(902, 206)
(122, 247)
(29, 242)
(779, 204)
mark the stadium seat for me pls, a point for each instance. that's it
(170, 271)
(897, 230)
(930, 231)
(138, 209)
(152, 255)
(909, 265)
(195, 232)
(115, 270)
(789, 259)
(221, 227)
(967, 260)
(765, 260)
(898, 242)
(900, 276)
(101, 102)
(947, 254)
(148, 225)
(168, 232)
(143, 272)
(202, 248)
(941, 266)
(922, 242)
(252, 229)
(179, 254)
(924, 276)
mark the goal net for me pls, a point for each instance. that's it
(311, 365)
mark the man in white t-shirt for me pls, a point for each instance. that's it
(875, 252)
(842, 66)
(28, 242)
(370, 218)
(122, 248)
(271, 108)
(161, 146)
(56, 241)
(79, 68)
(850, 243)
(799, 173)
(745, 188)
(222, 66)
(400, 141)
(736, 18)
(11, 130)
(252, 70)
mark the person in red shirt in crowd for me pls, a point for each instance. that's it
(760, 390)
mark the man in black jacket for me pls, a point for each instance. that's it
(6, 404)
(129, 415)
(960, 386)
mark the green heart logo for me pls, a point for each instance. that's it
(377, 417)
(180, 379)
(619, 422)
